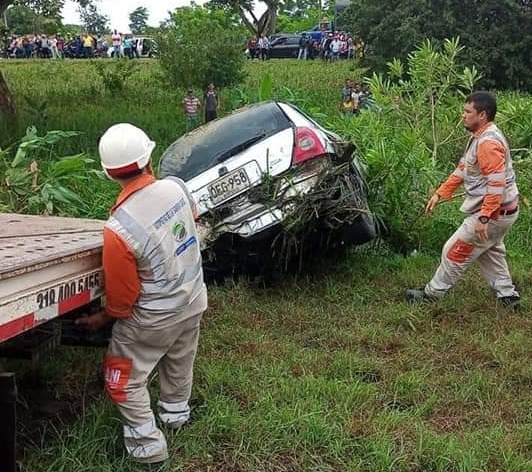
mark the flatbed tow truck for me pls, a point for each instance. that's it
(50, 271)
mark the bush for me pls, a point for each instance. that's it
(200, 46)
(114, 76)
(413, 141)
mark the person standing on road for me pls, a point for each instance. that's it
(191, 105)
(154, 290)
(264, 47)
(491, 203)
(116, 39)
(211, 103)
(88, 46)
(303, 47)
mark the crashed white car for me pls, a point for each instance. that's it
(266, 171)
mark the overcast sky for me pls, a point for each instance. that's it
(118, 11)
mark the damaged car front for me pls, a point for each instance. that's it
(270, 183)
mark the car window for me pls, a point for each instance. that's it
(198, 151)
(294, 40)
(279, 41)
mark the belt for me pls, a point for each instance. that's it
(509, 212)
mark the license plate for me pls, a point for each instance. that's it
(229, 185)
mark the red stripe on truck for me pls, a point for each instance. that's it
(14, 327)
(74, 302)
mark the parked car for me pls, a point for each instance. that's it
(285, 46)
(323, 28)
(257, 174)
(146, 47)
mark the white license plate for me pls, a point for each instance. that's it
(229, 185)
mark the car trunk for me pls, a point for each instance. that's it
(227, 157)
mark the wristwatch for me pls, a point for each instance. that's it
(483, 219)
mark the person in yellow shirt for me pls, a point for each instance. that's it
(88, 45)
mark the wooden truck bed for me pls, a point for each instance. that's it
(48, 267)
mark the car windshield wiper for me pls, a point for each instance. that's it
(239, 148)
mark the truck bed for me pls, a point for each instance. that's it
(48, 267)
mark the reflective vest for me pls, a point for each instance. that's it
(478, 185)
(158, 226)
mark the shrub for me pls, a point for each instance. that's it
(115, 75)
(200, 46)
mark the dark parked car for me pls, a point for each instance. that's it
(285, 46)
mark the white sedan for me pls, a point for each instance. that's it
(265, 171)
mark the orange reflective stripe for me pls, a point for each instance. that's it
(117, 371)
(448, 188)
(460, 251)
(122, 282)
(491, 205)
(491, 157)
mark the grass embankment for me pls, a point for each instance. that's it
(332, 372)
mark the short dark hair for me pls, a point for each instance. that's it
(131, 174)
(484, 101)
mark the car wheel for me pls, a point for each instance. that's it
(361, 231)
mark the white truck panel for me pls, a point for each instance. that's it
(48, 267)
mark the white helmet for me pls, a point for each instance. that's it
(124, 148)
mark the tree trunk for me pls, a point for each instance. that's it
(7, 106)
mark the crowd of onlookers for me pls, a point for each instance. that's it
(58, 47)
(328, 46)
(356, 97)
(331, 47)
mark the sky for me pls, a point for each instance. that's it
(118, 11)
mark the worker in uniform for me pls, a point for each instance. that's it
(154, 290)
(491, 203)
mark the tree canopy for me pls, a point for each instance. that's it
(496, 33)
(93, 21)
(200, 45)
(139, 20)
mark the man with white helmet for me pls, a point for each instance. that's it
(154, 289)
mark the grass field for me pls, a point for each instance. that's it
(327, 372)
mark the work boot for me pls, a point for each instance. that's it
(413, 295)
(513, 303)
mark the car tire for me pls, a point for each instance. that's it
(361, 231)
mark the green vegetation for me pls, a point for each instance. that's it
(495, 32)
(199, 46)
(331, 371)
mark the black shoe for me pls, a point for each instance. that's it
(513, 302)
(417, 296)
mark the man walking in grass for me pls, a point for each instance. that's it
(491, 203)
(191, 106)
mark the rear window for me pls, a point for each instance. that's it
(198, 151)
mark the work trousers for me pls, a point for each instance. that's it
(133, 354)
(464, 248)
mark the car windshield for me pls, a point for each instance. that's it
(205, 147)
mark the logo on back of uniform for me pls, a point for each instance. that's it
(179, 231)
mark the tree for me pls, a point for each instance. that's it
(494, 32)
(139, 20)
(265, 24)
(93, 21)
(198, 46)
(22, 19)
